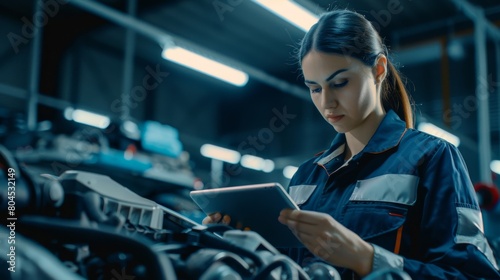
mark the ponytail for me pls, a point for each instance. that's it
(395, 96)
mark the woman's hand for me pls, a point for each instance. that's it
(226, 220)
(329, 240)
(216, 218)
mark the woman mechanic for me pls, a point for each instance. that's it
(383, 195)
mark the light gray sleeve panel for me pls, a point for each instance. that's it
(301, 193)
(396, 188)
(470, 231)
(385, 259)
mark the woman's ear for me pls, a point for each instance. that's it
(380, 69)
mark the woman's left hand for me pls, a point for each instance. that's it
(328, 239)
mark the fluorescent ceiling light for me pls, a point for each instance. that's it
(219, 153)
(268, 166)
(87, 118)
(291, 12)
(252, 162)
(438, 132)
(495, 166)
(205, 65)
(289, 171)
(257, 163)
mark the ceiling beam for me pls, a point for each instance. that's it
(163, 39)
(482, 28)
(476, 14)
(34, 82)
(445, 25)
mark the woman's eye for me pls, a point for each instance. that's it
(315, 90)
(339, 85)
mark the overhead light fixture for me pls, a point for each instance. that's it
(291, 12)
(257, 163)
(205, 65)
(268, 166)
(219, 153)
(88, 118)
(251, 162)
(438, 132)
(495, 166)
(289, 171)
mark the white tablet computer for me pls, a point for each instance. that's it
(255, 206)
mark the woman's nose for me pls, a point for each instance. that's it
(329, 99)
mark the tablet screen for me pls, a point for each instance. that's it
(255, 206)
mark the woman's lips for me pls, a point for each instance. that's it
(334, 118)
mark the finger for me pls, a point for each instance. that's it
(322, 251)
(285, 216)
(309, 217)
(301, 227)
(294, 215)
(215, 217)
(226, 219)
(207, 220)
(283, 220)
(323, 248)
(301, 231)
(211, 219)
(297, 218)
(286, 212)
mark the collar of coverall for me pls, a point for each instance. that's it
(387, 136)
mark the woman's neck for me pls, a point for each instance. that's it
(353, 147)
(357, 139)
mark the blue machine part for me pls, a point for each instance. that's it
(160, 138)
(117, 159)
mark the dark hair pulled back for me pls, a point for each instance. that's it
(349, 33)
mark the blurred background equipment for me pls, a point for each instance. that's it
(488, 196)
(98, 229)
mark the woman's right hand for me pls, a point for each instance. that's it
(216, 218)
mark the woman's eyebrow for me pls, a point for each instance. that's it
(329, 77)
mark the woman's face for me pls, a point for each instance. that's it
(343, 89)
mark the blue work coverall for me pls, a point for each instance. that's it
(409, 195)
